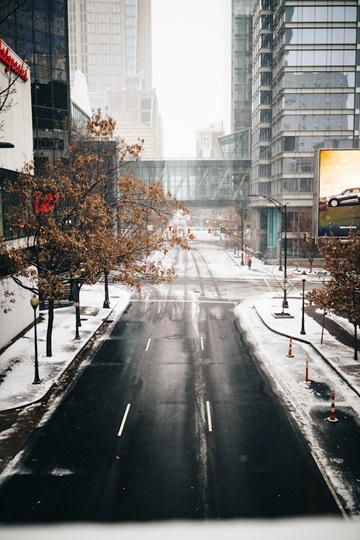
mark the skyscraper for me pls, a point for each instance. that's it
(110, 42)
(237, 80)
(304, 98)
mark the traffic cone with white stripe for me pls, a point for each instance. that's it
(290, 354)
(332, 418)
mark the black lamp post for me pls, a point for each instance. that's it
(356, 297)
(303, 279)
(76, 292)
(34, 301)
(282, 208)
(106, 303)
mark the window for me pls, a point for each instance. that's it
(266, 59)
(266, 21)
(266, 115)
(265, 134)
(265, 97)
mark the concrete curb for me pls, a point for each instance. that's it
(329, 363)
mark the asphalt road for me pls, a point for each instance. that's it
(172, 418)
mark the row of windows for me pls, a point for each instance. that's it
(287, 166)
(311, 143)
(334, 57)
(286, 185)
(104, 38)
(294, 165)
(294, 185)
(93, 80)
(102, 7)
(312, 36)
(314, 122)
(102, 28)
(320, 14)
(105, 48)
(319, 79)
(102, 18)
(318, 101)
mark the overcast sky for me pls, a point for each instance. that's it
(187, 69)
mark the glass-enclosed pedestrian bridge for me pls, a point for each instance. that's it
(198, 182)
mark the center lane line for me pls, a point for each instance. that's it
(209, 415)
(148, 345)
(124, 420)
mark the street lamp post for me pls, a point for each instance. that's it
(355, 292)
(282, 208)
(34, 302)
(303, 279)
(76, 292)
(280, 256)
(106, 303)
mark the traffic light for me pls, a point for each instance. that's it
(315, 241)
(306, 237)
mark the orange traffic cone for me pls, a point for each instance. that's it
(332, 417)
(290, 354)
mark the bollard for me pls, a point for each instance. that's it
(332, 418)
(307, 371)
(290, 354)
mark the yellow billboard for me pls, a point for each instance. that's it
(337, 192)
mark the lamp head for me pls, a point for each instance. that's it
(303, 275)
(34, 301)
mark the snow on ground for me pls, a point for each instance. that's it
(17, 361)
(287, 374)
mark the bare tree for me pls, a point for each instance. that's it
(302, 231)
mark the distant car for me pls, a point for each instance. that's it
(350, 196)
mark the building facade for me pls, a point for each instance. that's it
(37, 31)
(305, 97)
(110, 42)
(207, 140)
(16, 149)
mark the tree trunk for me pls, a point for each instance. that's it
(50, 328)
(355, 342)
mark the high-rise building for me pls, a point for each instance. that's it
(305, 97)
(110, 42)
(37, 31)
(236, 144)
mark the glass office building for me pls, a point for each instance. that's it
(305, 97)
(37, 31)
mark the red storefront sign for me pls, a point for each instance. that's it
(11, 63)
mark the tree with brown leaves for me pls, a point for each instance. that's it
(87, 215)
(341, 294)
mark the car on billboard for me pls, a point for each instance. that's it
(348, 196)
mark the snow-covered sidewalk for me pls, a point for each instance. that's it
(17, 362)
(305, 373)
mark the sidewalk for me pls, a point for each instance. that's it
(319, 384)
(17, 361)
